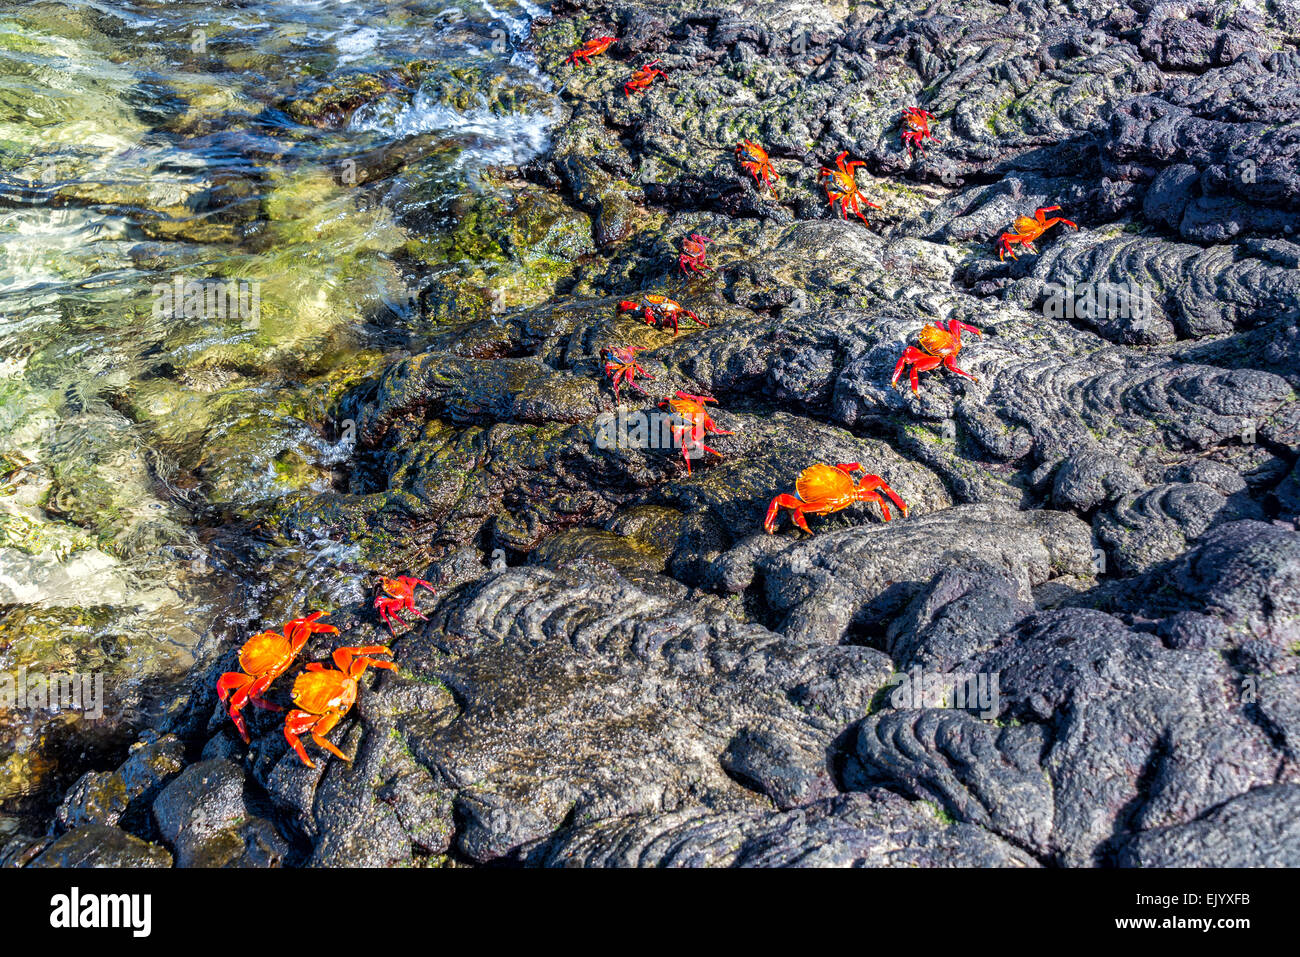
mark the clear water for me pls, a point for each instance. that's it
(145, 150)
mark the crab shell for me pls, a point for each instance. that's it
(266, 652)
(825, 489)
(937, 341)
(328, 692)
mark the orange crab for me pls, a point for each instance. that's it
(621, 366)
(1028, 229)
(917, 131)
(821, 489)
(324, 695)
(660, 310)
(693, 253)
(939, 347)
(643, 77)
(400, 593)
(754, 160)
(696, 423)
(842, 187)
(264, 658)
(590, 49)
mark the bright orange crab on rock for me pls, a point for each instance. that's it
(695, 424)
(400, 593)
(917, 131)
(324, 695)
(939, 347)
(1027, 229)
(754, 160)
(842, 187)
(821, 489)
(264, 658)
(621, 366)
(693, 254)
(660, 310)
(643, 77)
(590, 49)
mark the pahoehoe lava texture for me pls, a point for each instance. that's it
(1105, 521)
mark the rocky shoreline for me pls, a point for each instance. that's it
(1105, 522)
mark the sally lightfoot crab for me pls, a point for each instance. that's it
(1027, 229)
(399, 596)
(916, 123)
(842, 187)
(822, 489)
(660, 310)
(693, 253)
(694, 423)
(324, 695)
(754, 160)
(939, 347)
(643, 77)
(263, 658)
(621, 366)
(590, 49)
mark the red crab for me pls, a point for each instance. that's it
(693, 253)
(917, 123)
(939, 347)
(1028, 229)
(643, 77)
(590, 49)
(696, 423)
(621, 366)
(820, 490)
(401, 597)
(754, 160)
(324, 695)
(842, 187)
(264, 658)
(660, 310)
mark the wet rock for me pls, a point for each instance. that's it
(205, 817)
(98, 845)
(105, 797)
(542, 697)
(851, 830)
(854, 578)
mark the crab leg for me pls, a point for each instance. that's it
(352, 660)
(324, 743)
(388, 616)
(920, 362)
(950, 363)
(299, 722)
(796, 507)
(240, 682)
(873, 483)
(873, 497)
